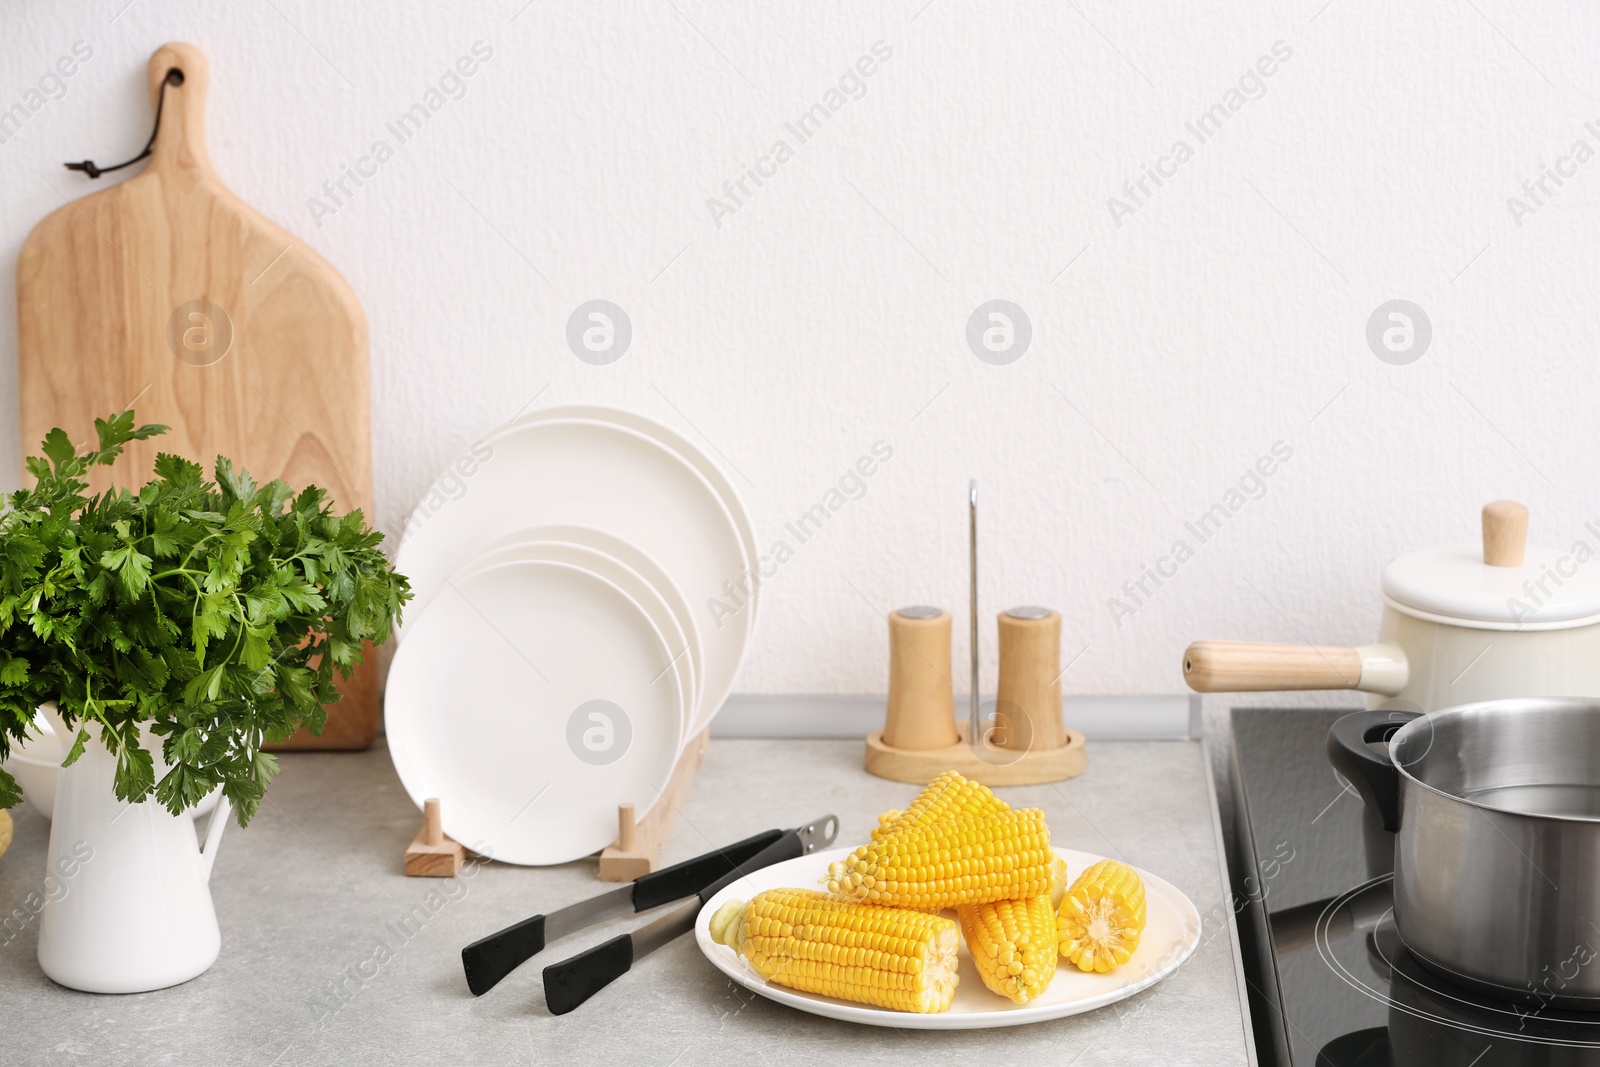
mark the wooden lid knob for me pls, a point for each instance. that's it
(1505, 533)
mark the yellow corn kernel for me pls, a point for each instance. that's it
(1102, 916)
(997, 855)
(806, 940)
(885, 820)
(1013, 944)
(949, 796)
(1058, 882)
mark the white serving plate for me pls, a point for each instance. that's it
(684, 448)
(1171, 934)
(596, 474)
(681, 655)
(482, 710)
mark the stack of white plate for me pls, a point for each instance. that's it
(584, 583)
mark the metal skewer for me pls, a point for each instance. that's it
(975, 724)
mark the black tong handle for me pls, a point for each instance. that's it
(681, 879)
(488, 960)
(572, 981)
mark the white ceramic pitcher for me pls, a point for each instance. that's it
(135, 912)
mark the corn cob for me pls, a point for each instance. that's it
(1013, 943)
(1102, 916)
(806, 940)
(949, 796)
(997, 855)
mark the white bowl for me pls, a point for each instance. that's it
(37, 777)
(34, 764)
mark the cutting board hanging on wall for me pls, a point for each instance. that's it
(168, 294)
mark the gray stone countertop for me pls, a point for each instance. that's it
(326, 961)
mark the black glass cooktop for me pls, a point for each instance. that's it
(1330, 983)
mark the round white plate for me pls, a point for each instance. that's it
(491, 706)
(635, 559)
(1171, 934)
(678, 651)
(684, 448)
(586, 473)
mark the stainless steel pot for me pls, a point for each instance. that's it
(1496, 807)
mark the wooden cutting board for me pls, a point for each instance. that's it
(168, 294)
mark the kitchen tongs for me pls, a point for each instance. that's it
(490, 959)
(572, 981)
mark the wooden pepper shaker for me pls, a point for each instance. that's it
(1028, 701)
(920, 715)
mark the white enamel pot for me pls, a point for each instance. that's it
(1459, 625)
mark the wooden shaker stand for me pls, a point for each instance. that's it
(916, 743)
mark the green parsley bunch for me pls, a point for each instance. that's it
(211, 615)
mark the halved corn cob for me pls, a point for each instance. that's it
(997, 855)
(1013, 943)
(949, 796)
(1102, 916)
(806, 940)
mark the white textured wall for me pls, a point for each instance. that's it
(829, 310)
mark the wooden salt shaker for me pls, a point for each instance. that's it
(920, 715)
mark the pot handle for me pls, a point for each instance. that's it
(1374, 777)
(1253, 667)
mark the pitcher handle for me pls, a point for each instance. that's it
(214, 828)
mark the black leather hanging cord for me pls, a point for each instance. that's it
(174, 77)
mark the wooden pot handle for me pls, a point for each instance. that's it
(1248, 667)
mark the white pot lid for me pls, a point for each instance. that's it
(1551, 589)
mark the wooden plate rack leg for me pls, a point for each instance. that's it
(637, 849)
(431, 854)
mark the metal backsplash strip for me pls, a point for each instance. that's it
(1101, 718)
